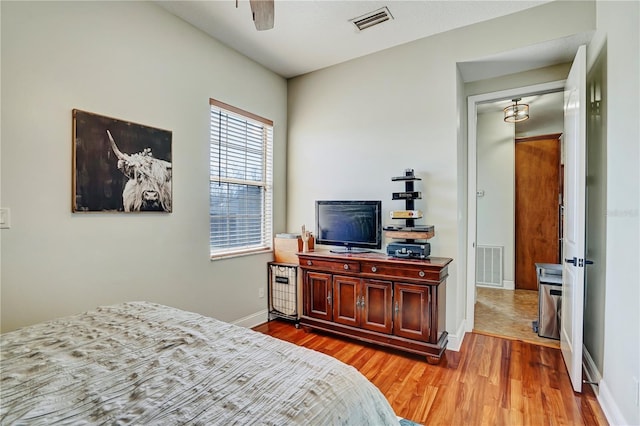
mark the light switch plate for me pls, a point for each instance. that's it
(5, 218)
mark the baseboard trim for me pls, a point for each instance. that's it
(609, 407)
(590, 369)
(601, 390)
(506, 285)
(252, 320)
(455, 340)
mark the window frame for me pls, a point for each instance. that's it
(265, 243)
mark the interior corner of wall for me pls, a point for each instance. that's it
(456, 339)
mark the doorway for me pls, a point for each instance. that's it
(510, 309)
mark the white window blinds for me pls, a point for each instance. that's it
(241, 181)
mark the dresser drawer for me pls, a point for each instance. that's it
(330, 265)
(412, 272)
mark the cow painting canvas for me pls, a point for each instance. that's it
(120, 166)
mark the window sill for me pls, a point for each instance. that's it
(243, 253)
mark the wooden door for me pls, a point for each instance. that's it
(412, 311)
(537, 206)
(346, 300)
(376, 305)
(317, 295)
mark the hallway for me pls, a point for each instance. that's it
(509, 314)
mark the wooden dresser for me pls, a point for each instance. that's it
(398, 303)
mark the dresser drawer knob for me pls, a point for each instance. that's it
(346, 267)
(309, 262)
(421, 274)
(374, 269)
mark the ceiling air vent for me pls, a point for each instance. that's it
(372, 18)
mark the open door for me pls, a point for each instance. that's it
(573, 242)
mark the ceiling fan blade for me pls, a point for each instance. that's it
(263, 13)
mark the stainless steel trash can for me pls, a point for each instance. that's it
(549, 299)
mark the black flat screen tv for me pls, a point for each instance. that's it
(349, 225)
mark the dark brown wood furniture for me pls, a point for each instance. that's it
(398, 303)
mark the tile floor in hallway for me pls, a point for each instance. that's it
(509, 313)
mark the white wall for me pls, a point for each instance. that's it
(596, 217)
(550, 118)
(496, 178)
(513, 81)
(551, 127)
(617, 23)
(355, 125)
(136, 62)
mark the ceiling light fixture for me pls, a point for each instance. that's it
(516, 112)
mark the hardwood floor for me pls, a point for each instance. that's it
(491, 381)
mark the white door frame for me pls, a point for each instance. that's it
(472, 102)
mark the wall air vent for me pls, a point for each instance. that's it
(372, 18)
(489, 266)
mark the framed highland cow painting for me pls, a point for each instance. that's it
(119, 166)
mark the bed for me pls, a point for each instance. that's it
(144, 363)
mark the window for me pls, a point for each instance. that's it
(241, 181)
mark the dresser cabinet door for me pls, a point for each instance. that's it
(412, 311)
(318, 295)
(376, 306)
(346, 304)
